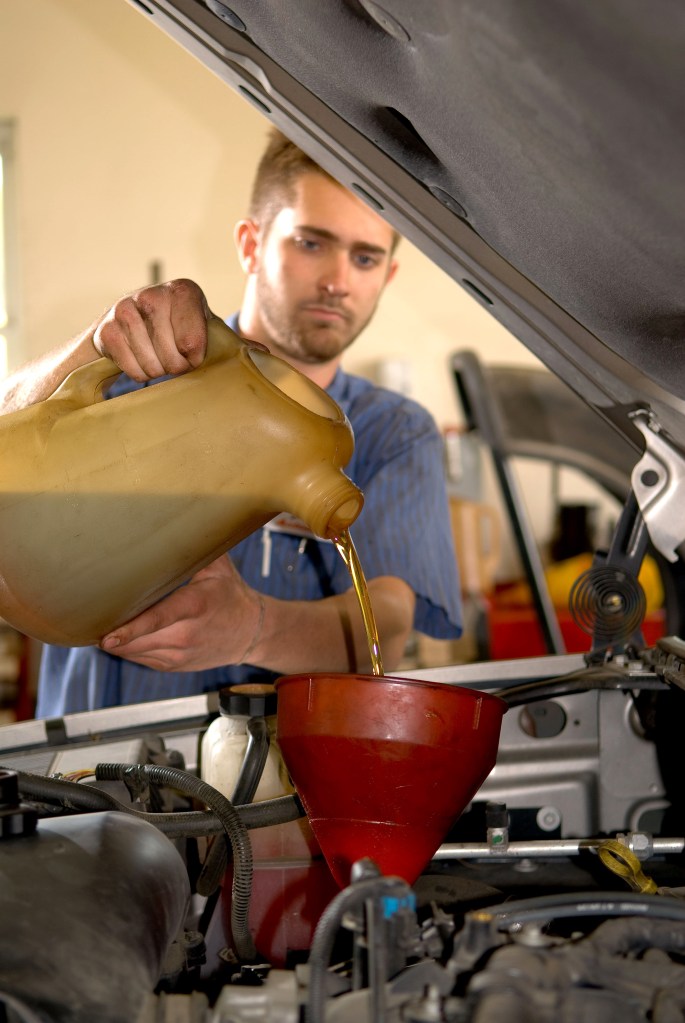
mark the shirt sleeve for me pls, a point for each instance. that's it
(404, 528)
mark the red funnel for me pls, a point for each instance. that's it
(384, 766)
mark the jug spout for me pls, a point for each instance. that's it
(326, 500)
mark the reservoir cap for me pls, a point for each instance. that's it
(251, 699)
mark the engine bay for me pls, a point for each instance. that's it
(132, 893)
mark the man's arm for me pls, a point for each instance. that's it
(217, 618)
(149, 333)
(39, 379)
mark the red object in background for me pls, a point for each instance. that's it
(288, 898)
(514, 630)
(384, 766)
(291, 887)
(287, 902)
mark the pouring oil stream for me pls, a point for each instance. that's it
(348, 553)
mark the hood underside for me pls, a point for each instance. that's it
(534, 151)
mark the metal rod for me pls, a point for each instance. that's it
(543, 848)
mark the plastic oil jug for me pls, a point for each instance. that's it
(292, 883)
(107, 506)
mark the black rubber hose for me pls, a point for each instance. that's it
(70, 794)
(585, 904)
(249, 776)
(235, 830)
(252, 767)
(81, 797)
(346, 901)
(266, 814)
(581, 681)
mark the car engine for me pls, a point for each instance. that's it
(131, 894)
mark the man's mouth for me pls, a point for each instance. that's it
(326, 312)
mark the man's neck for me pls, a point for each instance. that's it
(320, 373)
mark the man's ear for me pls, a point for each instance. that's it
(392, 270)
(246, 237)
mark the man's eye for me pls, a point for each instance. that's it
(366, 262)
(307, 244)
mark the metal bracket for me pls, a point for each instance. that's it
(658, 481)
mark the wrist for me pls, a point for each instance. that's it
(256, 635)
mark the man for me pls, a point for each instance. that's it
(316, 260)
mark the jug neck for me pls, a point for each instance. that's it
(327, 500)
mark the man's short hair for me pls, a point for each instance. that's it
(278, 171)
(280, 167)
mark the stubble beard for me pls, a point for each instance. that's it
(308, 342)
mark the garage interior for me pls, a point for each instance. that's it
(531, 159)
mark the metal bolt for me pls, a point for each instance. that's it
(640, 843)
(548, 818)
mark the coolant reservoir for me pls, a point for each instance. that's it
(107, 506)
(224, 743)
(292, 883)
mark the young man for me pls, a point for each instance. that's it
(316, 260)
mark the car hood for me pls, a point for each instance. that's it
(534, 151)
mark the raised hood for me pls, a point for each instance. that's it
(535, 151)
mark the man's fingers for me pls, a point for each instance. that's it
(131, 328)
(156, 331)
(176, 318)
(161, 615)
(189, 316)
(113, 338)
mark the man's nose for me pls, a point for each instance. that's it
(334, 279)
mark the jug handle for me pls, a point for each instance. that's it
(222, 342)
(85, 385)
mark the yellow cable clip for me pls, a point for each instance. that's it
(623, 862)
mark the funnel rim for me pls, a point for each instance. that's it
(380, 679)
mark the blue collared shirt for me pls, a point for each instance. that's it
(403, 530)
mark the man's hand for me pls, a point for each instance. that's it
(210, 621)
(157, 330)
(154, 331)
(217, 619)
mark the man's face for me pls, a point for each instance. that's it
(320, 268)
